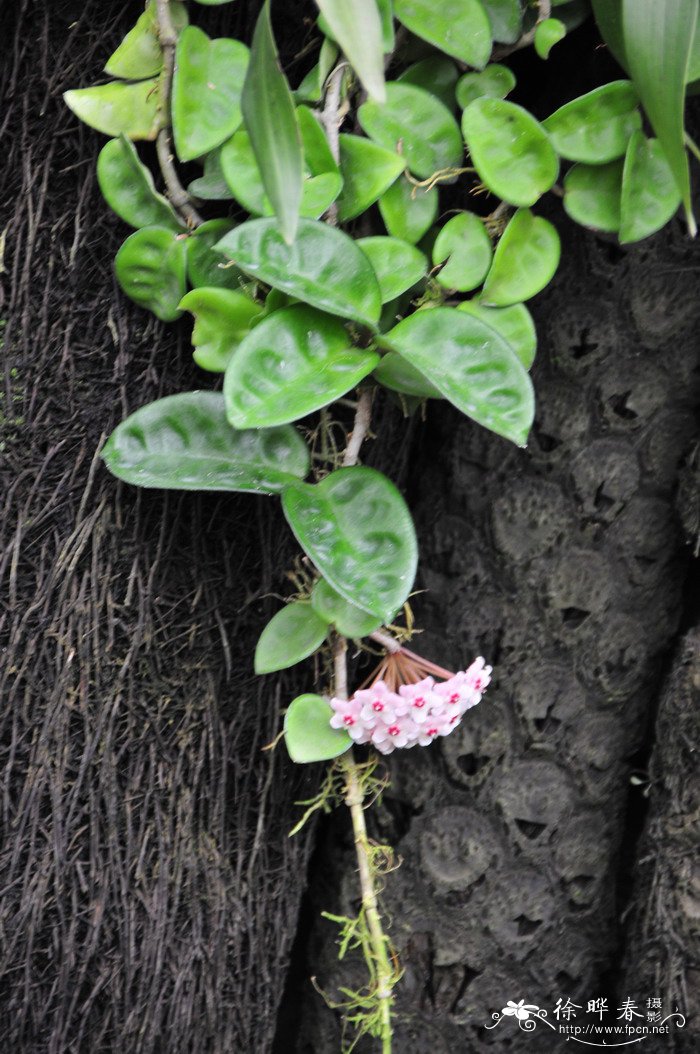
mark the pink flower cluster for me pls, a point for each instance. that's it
(415, 714)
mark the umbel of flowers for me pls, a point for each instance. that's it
(405, 706)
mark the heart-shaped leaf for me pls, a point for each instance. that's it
(184, 442)
(397, 265)
(525, 261)
(592, 195)
(407, 210)
(206, 95)
(417, 125)
(368, 171)
(458, 27)
(294, 362)
(464, 243)
(437, 75)
(355, 527)
(349, 620)
(495, 82)
(222, 319)
(357, 28)
(206, 267)
(140, 55)
(127, 187)
(595, 128)
(270, 117)
(151, 269)
(134, 110)
(293, 634)
(514, 323)
(658, 37)
(308, 733)
(211, 185)
(506, 18)
(398, 375)
(510, 150)
(547, 34)
(650, 195)
(323, 267)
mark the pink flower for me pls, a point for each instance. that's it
(478, 676)
(379, 703)
(399, 733)
(419, 698)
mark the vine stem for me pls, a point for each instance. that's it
(544, 11)
(180, 199)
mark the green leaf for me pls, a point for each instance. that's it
(514, 323)
(495, 82)
(204, 266)
(308, 733)
(348, 620)
(473, 367)
(650, 196)
(206, 96)
(271, 122)
(417, 125)
(368, 171)
(466, 247)
(510, 150)
(184, 442)
(608, 15)
(323, 267)
(294, 362)
(358, 29)
(117, 108)
(595, 128)
(658, 35)
(140, 55)
(222, 319)
(151, 267)
(460, 28)
(355, 527)
(525, 261)
(506, 19)
(397, 265)
(436, 75)
(407, 210)
(317, 152)
(212, 3)
(592, 195)
(547, 34)
(127, 187)
(293, 634)
(397, 374)
(211, 185)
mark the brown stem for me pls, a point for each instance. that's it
(544, 10)
(331, 125)
(360, 428)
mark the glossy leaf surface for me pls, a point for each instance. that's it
(473, 367)
(184, 442)
(222, 319)
(271, 123)
(119, 108)
(514, 323)
(357, 28)
(510, 150)
(140, 55)
(464, 248)
(323, 267)
(595, 128)
(151, 269)
(355, 527)
(294, 362)
(418, 125)
(349, 620)
(505, 17)
(650, 196)
(290, 636)
(408, 211)
(308, 734)
(525, 261)
(397, 265)
(206, 267)
(658, 36)
(399, 375)
(495, 82)
(128, 188)
(547, 34)
(368, 171)
(458, 27)
(211, 185)
(608, 16)
(592, 195)
(317, 153)
(436, 75)
(206, 94)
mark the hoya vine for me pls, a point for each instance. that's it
(323, 259)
